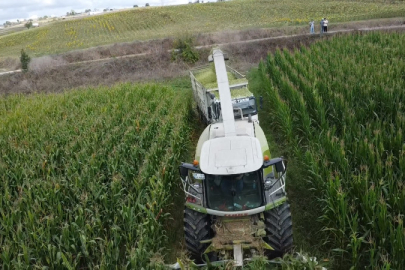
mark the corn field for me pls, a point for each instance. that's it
(161, 22)
(339, 108)
(86, 177)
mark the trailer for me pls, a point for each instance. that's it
(206, 94)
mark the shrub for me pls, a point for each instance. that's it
(25, 60)
(183, 49)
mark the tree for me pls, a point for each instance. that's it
(25, 60)
(147, 5)
(71, 13)
(28, 24)
(135, 5)
(87, 10)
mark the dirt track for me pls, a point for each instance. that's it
(153, 63)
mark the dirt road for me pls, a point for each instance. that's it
(152, 62)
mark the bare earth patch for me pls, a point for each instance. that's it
(151, 61)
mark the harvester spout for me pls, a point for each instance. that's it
(224, 93)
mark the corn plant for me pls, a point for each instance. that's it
(87, 176)
(345, 101)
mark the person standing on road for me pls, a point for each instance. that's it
(321, 26)
(311, 26)
(325, 25)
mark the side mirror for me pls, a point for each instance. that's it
(183, 171)
(261, 102)
(209, 113)
(185, 167)
(280, 167)
(278, 162)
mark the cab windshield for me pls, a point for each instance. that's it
(248, 106)
(234, 192)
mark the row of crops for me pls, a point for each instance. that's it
(160, 22)
(86, 177)
(339, 107)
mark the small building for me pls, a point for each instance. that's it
(35, 25)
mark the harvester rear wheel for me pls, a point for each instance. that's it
(279, 229)
(197, 227)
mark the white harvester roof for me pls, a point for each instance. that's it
(242, 128)
(231, 155)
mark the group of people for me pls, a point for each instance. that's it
(324, 26)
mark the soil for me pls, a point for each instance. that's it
(151, 61)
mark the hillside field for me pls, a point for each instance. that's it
(160, 22)
(337, 110)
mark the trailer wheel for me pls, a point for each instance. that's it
(197, 227)
(279, 230)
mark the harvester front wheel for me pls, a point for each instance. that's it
(197, 227)
(279, 229)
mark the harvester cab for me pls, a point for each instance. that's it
(236, 205)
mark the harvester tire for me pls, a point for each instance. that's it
(197, 227)
(279, 230)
